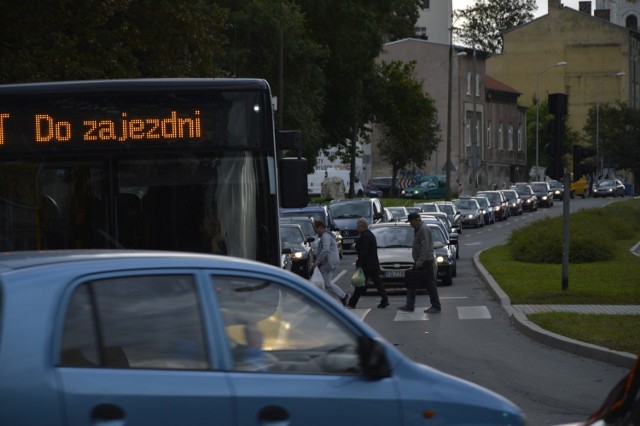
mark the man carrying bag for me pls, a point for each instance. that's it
(424, 258)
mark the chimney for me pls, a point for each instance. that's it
(555, 4)
(585, 7)
(603, 14)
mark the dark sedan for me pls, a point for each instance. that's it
(515, 203)
(528, 197)
(609, 188)
(302, 255)
(498, 202)
(558, 189)
(544, 193)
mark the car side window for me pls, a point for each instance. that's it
(144, 322)
(274, 329)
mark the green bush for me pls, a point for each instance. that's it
(593, 235)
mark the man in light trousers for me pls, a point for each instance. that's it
(327, 260)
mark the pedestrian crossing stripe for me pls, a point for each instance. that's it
(464, 313)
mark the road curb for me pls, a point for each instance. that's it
(533, 331)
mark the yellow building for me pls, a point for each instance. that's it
(596, 53)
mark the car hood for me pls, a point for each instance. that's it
(390, 255)
(296, 247)
(403, 254)
(467, 212)
(346, 223)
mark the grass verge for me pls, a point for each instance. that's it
(611, 282)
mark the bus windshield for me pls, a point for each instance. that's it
(187, 165)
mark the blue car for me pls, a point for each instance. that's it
(163, 338)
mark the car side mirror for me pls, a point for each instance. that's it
(286, 250)
(311, 239)
(373, 359)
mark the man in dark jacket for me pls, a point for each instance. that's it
(367, 250)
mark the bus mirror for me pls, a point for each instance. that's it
(293, 183)
(289, 140)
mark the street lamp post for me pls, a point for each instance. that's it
(559, 64)
(598, 84)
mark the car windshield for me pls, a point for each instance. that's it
(290, 234)
(607, 183)
(467, 204)
(511, 195)
(524, 190)
(398, 212)
(428, 208)
(492, 196)
(483, 202)
(437, 234)
(305, 223)
(447, 208)
(539, 186)
(350, 210)
(393, 236)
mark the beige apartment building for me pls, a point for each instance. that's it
(601, 59)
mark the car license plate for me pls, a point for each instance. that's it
(394, 274)
(347, 241)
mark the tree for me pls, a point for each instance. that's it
(619, 130)
(484, 22)
(259, 31)
(406, 115)
(357, 32)
(90, 39)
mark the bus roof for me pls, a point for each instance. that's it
(134, 85)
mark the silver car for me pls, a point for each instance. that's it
(395, 241)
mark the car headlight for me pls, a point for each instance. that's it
(497, 208)
(298, 255)
(440, 259)
(470, 216)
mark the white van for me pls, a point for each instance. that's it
(314, 181)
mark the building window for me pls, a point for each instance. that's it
(421, 32)
(478, 132)
(477, 84)
(467, 132)
(510, 141)
(520, 141)
(469, 83)
(489, 134)
(632, 22)
(500, 137)
(426, 4)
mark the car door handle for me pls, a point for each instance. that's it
(106, 412)
(273, 413)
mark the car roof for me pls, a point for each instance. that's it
(11, 261)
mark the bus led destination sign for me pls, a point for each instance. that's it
(49, 129)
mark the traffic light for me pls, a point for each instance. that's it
(555, 149)
(583, 163)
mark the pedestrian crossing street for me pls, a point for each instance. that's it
(463, 312)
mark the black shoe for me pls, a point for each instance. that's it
(405, 309)
(344, 300)
(432, 310)
(383, 304)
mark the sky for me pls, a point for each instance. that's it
(542, 5)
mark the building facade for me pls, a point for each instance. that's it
(596, 51)
(488, 141)
(434, 21)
